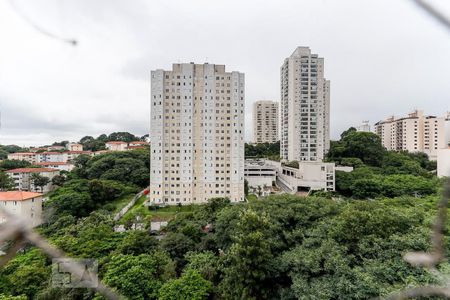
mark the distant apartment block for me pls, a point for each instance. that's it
(116, 146)
(265, 122)
(74, 147)
(197, 134)
(27, 205)
(61, 166)
(48, 156)
(23, 178)
(305, 107)
(414, 133)
(364, 127)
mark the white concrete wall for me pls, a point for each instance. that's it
(443, 162)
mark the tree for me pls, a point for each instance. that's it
(139, 277)
(59, 180)
(129, 167)
(39, 181)
(177, 245)
(263, 150)
(73, 203)
(123, 136)
(6, 182)
(247, 271)
(354, 144)
(26, 274)
(137, 242)
(14, 164)
(191, 285)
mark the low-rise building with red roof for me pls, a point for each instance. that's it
(27, 205)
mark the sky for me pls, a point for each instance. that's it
(383, 57)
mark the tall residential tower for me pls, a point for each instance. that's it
(197, 134)
(305, 107)
(265, 122)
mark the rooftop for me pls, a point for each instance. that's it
(31, 170)
(18, 195)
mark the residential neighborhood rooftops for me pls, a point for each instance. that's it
(18, 195)
(31, 170)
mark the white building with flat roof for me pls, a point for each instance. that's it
(27, 205)
(308, 176)
(258, 173)
(305, 107)
(197, 134)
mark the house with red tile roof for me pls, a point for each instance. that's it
(27, 205)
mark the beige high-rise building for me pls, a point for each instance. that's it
(305, 107)
(413, 133)
(197, 134)
(265, 122)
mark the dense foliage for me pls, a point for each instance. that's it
(378, 172)
(131, 167)
(263, 150)
(96, 144)
(281, 247)
(7, 149)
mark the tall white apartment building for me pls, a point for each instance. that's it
(197, 134)
(265, 122)
(413, 133)
(305, 107)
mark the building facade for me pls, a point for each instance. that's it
(26, 205)
(23, 178)
(265, 122)
(197, 134)
(306, 177)
(259, 174)
(414, 133)
(74, 147)
(116, 146)
(305, 107)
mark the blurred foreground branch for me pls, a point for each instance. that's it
(15, 229)
(440, 17)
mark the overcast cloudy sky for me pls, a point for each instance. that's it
(383, 57)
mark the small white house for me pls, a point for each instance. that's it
(116, 146)
(27, 205)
